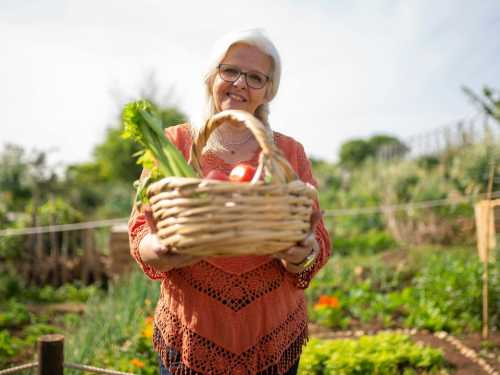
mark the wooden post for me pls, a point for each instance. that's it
(51, 355)
(487, 254)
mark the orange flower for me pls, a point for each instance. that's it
(148, 327)
(136, 362)
(328, 301)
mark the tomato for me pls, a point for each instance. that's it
(242, 173)
(215, 174)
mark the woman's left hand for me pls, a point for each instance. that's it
(296, 258)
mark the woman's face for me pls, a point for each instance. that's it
(237, 94)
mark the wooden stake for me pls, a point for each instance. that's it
(51, 355)
(487, 252)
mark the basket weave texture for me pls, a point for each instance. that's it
(204, 217)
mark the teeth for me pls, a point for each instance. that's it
(236, 97)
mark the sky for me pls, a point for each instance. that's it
(351, 69)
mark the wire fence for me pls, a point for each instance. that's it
(368, 210)
(461, 133)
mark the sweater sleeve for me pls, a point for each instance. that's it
(137, 226)
(302, 279)
(137, 230)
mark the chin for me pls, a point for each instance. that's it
(235, 105)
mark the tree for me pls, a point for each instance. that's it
(489, 103)
(356, 151)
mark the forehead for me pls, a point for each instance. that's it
(248, 57)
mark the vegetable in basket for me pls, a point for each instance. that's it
(242, 173)
(143, 124)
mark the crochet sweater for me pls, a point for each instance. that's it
(231, 315)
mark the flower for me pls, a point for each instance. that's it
(328, 301)
(136, 362)
(147, 331)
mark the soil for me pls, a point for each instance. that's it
(457, 362)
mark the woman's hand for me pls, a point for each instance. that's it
(300, 257)
(157, 255)
(161, 258)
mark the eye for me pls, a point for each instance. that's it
(255, 77)
(230, 70)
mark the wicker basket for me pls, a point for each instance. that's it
(222, 218)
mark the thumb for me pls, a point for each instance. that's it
(150, 220)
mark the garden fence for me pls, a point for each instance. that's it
(456, 135)
(51, 360)
(57, 254)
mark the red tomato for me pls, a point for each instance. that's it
(242, 173)
(215, 174)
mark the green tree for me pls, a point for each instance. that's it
(489, 102)
(356, 151)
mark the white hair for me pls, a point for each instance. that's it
(256, 38)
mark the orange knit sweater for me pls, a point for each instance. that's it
(232, 315)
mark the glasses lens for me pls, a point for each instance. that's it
(229, 73)
(256, 80)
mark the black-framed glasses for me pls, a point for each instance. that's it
(231, 73)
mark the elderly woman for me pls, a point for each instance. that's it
(233, 315)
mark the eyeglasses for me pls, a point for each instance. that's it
(231, 73)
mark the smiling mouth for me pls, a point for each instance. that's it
(236, 97)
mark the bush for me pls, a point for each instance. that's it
(384, 353)
(370, 242)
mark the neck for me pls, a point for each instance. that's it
(233, 132)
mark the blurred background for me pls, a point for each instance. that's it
(396, 103)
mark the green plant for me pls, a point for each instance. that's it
(384, 354)
(116, 321)
(9, 347)
(429, 288)
(13, 314)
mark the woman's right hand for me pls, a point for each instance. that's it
(161, 258)
(157, 255)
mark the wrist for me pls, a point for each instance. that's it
(303, 265)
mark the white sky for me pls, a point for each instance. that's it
(350, 68)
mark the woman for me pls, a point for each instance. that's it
(233, 315)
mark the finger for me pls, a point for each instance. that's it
(150, 220)
(308, 241)
(296, 254)
(191, 261)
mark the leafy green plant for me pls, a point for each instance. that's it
(384, 353)
(13, 314)
(429, 288)
(9, 347)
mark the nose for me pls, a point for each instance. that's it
(241, 82)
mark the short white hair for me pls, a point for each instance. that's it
(253, 37)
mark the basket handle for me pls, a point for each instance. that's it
(272, 162)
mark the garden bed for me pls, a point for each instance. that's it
(459, 364)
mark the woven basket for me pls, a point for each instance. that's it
(222, 218)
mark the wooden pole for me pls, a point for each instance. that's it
(51, 355)
(486, 260)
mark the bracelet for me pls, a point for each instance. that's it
(307, 261)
